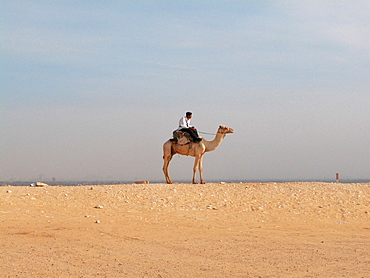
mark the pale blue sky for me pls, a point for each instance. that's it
(92, 89)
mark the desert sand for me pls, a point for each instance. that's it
(300, 229)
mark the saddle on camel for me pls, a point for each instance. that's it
(182, 138)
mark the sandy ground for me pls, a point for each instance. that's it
(184, 230)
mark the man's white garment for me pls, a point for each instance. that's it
(184, 123)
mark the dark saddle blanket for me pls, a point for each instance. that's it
(181, 137)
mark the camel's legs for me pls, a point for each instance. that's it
(167, 156)
(166, 163)
(197, 163)
(201, 170)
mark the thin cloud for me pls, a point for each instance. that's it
(98, 81)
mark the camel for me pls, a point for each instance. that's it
(196, 150)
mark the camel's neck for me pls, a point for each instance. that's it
(212, 145)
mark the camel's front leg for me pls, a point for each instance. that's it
(201, 170)
(196, 167)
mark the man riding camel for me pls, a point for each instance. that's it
(185, 126)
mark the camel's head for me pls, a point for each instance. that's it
(224, 129)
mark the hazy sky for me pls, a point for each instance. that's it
(92, 89)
